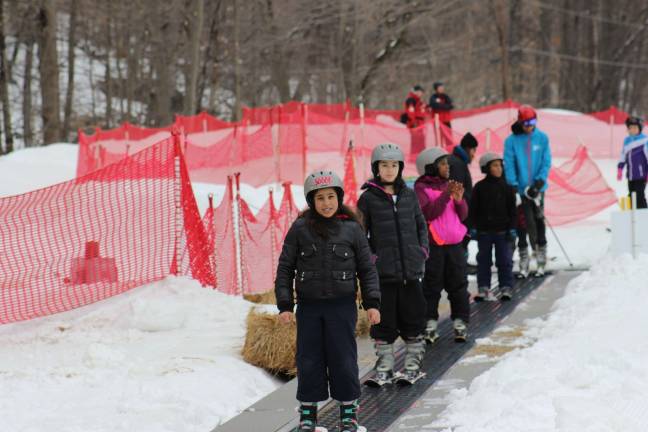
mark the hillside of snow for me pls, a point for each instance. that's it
(165, 357)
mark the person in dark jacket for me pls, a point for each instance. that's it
(324, 253)
(441, 104)
(398, 238)
(494, 214)
(414, 115)
(460, 159)
(444, 208)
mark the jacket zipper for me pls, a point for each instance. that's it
(400, 238)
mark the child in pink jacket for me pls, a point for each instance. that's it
(444, 208)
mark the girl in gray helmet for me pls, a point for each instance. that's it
(398, 238)
(325, 252)
(444, 208)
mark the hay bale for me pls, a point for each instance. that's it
(362, 326)
(270, 344)
(267, 297)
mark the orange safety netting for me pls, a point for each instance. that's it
(101, 234)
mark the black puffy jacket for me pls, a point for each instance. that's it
(398, 233)
(326, 269)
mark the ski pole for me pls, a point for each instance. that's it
(559, 243)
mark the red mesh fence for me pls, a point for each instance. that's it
(285, 142)
(104, 233)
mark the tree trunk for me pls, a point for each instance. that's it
(48, 68)
(236, 115)
(108, 69)
(65, 133)
(28, 137)
(196, 27)
(4, 87)
(501, 14)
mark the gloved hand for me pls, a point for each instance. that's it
(473, 233)
(533, 191)
(511, 235)
(619, 174)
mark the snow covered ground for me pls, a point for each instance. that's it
(586, 370)
(165, 357)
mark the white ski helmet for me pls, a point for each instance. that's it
(387, 152)
(428, 157)
(486, 159)
(322, 180)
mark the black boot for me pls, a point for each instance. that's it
(307, 418)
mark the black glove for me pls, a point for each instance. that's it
(538, 184)
(532, 192)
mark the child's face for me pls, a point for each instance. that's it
(326, 202)
(633, 130)
(444, 168)
(388, 170)
(495, 168)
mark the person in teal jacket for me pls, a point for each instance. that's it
(527, 161)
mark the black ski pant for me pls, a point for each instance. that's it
(534, 225)
(402, 311)
(327, 354)
(445, 269)
(639, 187)
(503, 259)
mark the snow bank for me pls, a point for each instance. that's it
(586, 372)
(163, 357)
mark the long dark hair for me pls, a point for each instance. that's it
(323, 227)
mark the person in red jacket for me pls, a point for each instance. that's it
(414, 118)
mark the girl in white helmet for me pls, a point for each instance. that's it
(398, 237)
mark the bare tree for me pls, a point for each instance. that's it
(48, 68)
(4, 88)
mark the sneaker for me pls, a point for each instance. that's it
(430, 334)
(484, 294)
(506, 293)
(307, 418)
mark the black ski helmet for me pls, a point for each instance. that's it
(636, 121)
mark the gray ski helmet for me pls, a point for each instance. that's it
(488, 158)
(428, 157)
(387, 152)
(322, 180)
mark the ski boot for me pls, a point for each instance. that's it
(506, 293)
(431, 334)
(308, 419)
(541, 259)
(484, 294)
(460, 330)
(524, 264)
(415, 350)
(349, 418)
(384, 369)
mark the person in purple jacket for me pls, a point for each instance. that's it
(444, 208)
(634, 157)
